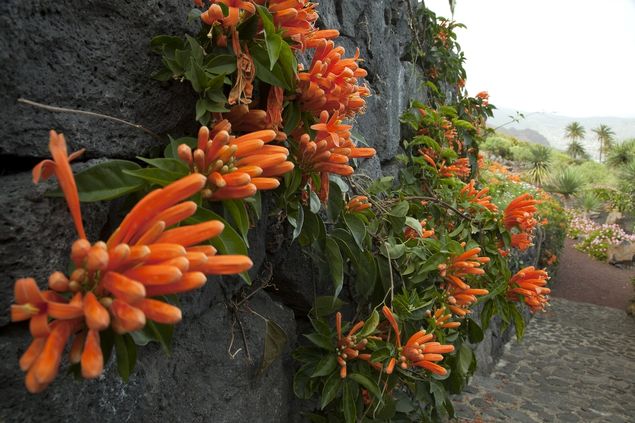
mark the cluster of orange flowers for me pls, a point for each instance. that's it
(520, 215)
(113, 281)
(420, 349)
(459, 168)
(236, 167)
(530, 284)
(460, 294)
(478, 197)
(330, 152)
(357, 204)
(331, 82)
(441, 318)
(349, 346)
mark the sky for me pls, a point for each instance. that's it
(570, 57)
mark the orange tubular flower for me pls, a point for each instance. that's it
(111, 281)
(236, 167)
(460, 294)
(349, 346)
(330, 152)
(331, 82)
(358, 204)
(419, 351)
(478, 197)
(441, 319)
(459, 168)
(530, 284)
(484, 96)
(519, 215)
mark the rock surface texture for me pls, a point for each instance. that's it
(576, 364)
(94, 55)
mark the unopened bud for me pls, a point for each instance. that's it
(58, 282)
(79, 250)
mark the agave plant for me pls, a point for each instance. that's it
(565, 182)
(622, 154)
(588, 201)
(539, 162)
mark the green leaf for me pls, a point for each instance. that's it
(289, 65)
(348, 404)
(321, 341)
(326, 305)
(126, 355)
(393, 251)
(464, 359)
(367, 383)
(106, 181)
(327, 364)
(166, 44)
(357, 228)
(172, 165)
(335, 263)
(239, 216)
(275, 339)
(291, 117)
(474, 331)
(220, 64)
(519, 321)
(400, 209)
(414, 224)
(335, 201)
(197, 76)
(154, 175)
(370, 325)
(274, 45)
(196, 50)
(314, 203)
(263, 72)
(296, 219)
(330, 390)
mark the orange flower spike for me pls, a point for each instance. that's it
(123, 288)
(190, 281)
(97, 316)
(32, 353)
(393, 323)
(92, 360)
(159, 311)
(192, 234)
(226, 265)
(126, 317)
(153, 204)
(46, 366)
(156, 274)
(62, 169)
(163, 252)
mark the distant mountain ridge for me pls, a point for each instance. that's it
(552, 127)
(530, 135)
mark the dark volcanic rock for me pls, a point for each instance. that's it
(91, 55)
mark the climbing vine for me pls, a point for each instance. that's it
(416, 252)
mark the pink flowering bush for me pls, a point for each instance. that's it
(595, 238)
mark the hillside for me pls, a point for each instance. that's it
(551, 126)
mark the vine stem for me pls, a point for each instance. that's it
(87, 113)
(439, 202)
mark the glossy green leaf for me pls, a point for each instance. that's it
(370, 325)
(197, 76)
(321, 341)
(464, 359)
(348, 403)
(367, 383)
(326, 305)
(335, 263)
(327, 364)
(357, 228)
(220, 64)
(126, 355)
(171, 165)
(474, 331)
(155, 175)
(238, 213)
(106, 181)
(330, 390)
(171, 150)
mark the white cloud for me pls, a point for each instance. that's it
(574, 57)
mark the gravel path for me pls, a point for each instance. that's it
(584, 279)
(576, 363)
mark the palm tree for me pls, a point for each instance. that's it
(622, 154)
(575, 132)
(605, 135)
(576, 150)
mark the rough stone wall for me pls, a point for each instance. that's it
(94, 55)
